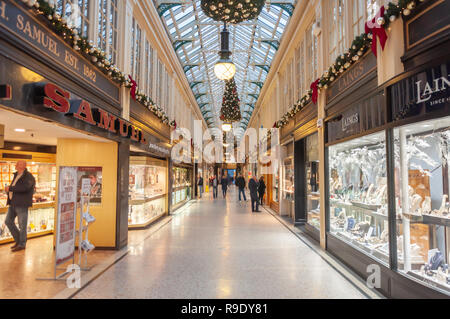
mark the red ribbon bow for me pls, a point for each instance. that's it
(275, 125)
(315, 91)
(175, 125)
(133, 87)
(377, 31)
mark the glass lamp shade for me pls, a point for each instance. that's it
(224, 70)
(226, 127)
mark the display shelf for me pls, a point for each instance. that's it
(145, 224)
(4, 210)
(313, 197)
(29, 236)
(436, 220)
(430, 281)
(177, 188)
(146, 200)
(365, 211)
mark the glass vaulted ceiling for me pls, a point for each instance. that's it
(196, 39)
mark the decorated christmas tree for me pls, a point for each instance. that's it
(230, 111)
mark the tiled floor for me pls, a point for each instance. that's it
(19, 271)
(219, 249)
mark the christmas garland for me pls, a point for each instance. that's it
(374, 29)
(232, 11)
(46, 8)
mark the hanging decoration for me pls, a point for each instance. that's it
(232, 11)
(230, 111)
(315, 91)
(375, 29)
(99, 58)
(133, 87)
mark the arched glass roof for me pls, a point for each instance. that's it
(196, 39)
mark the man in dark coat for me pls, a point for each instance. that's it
(20, 198)
(253, 186)
(200, 186)
(224, 183)
(261, 189)
(240, 183)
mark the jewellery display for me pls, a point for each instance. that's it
(358, 194)
(422, 153)
(41, 214)
(289, 179)
(181, 185)
(147, 193)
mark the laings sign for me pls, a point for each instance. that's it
(53, 97)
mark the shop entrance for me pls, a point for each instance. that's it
(46, 146)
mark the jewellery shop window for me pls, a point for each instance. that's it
(422, 153)
(276, 187)
(41, 218)
(312, 181)
(358, 194)
(147, 191)
(181, 185)
(289, 179)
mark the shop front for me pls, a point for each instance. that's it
(387, 175)
(182, 181)
(301, 194)
(148, 170)
(58, 110)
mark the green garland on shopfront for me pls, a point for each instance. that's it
(97, 56)
(359, 46)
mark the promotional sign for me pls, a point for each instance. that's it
(67, 199)
(90, 183)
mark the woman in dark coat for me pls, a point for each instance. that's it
(261, 189)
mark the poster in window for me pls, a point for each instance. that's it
(94, 174)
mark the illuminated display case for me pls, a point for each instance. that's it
(181, 185)
(41, 214)
(358, 194)
(289, 179)
(422, 154)
(276, 187)
(148, 191)
(312, 181)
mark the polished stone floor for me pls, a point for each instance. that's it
(219, 249)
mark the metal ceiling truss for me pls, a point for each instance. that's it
(196, 40)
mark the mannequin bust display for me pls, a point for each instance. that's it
(415, 204)
(426, 205)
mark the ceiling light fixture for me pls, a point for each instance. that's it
(21, 130)
(226, 127)
(224, 68)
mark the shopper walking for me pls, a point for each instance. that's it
(200, 186)
(240, 183)
(214, 184)
(261, 189)
(224, 183)
(20, 198)
(253, 186)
